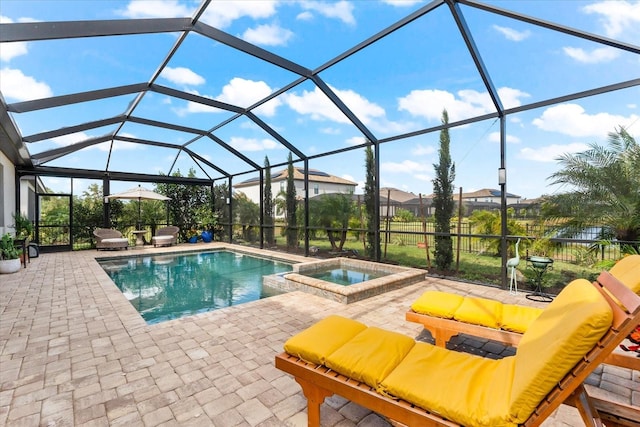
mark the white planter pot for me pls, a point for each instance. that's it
(9, 265)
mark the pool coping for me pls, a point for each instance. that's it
(396, 277)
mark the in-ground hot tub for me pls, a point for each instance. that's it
(376, 278)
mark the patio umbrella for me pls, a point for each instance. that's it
(138, 193)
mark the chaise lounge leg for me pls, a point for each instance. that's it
(315, 396)
(587, 411)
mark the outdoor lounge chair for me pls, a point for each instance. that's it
(445, 314)
(108, 238)
(166, 236)
(417, 383)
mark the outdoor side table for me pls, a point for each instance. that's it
(540, 265)
(140, 237)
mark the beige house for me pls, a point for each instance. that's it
(488, 195)
(319, 183)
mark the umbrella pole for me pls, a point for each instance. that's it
(138, 226)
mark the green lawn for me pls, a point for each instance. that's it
(479, 268)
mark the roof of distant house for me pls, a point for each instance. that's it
(397, 195)
(486, 192)
(298, 175)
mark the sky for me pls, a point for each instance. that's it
(395, 86)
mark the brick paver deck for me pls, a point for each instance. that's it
(74, 352)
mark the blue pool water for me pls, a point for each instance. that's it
(166, 287)
(344, 276)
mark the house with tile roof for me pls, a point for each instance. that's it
(319, 183)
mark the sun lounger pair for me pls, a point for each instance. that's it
(419, 384)
(445, 314)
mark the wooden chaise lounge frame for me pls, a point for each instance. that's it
(319, 382)
(443, 329)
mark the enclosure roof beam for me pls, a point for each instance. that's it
(49, 155)
(164, 125)
(74, 98)
(34, 31)
(251, 49)
(573, 96)
(195, 98)
(73, 129)
(116, 176)
(232, 150)
(467, 36)
(552, 26)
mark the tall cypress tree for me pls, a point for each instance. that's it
(292, 223)
(443, 200)
(268, 203)
(370, 204)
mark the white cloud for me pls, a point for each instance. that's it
(511, 97)
(268, 35)
(15, 85)
(572, 119)
(617, 17)
(238, 91)
(632, 106)
(356, 140)
(11, 50)
(601, 54)
(221, 14)
(182, 76)
(245, 93)
(342, 10)
(305, 16)
(550, 153)
(156, 9)
(71, 139)
(495, 137)
(421, 150)
(330, 131)
(319, 107)
(253, 144)
(429, 103)
(406, 166)
(511, 34)
(423, 177)
(401, 3)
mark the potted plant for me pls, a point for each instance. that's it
(9, 255)
(193, 235)
(209, 221)
(22, 225)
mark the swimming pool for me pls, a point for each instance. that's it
(169, 286)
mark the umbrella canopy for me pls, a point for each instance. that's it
(138, 193)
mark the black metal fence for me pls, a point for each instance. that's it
(586, 248)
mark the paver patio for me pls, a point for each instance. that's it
(74, 352)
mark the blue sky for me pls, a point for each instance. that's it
(398, 85)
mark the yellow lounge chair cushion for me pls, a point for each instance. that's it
(461, 387)
(627, 270)
(371, 355)
(480, 311)
(321, 339)
(517, 318)
(437, 304)
(567, 329)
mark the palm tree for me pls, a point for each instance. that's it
(605, 191)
